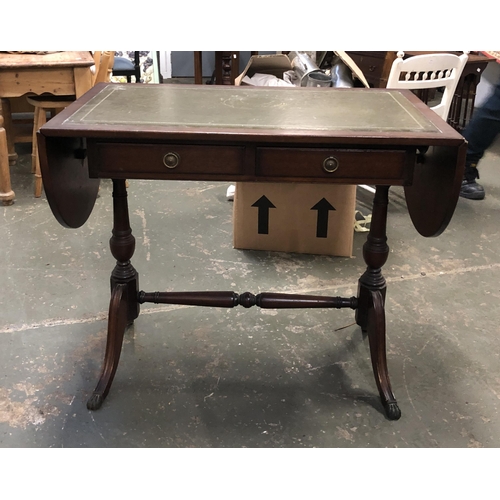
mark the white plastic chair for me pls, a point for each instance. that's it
(427, 71)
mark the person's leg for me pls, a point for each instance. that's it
(480, 133)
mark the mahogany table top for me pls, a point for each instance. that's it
(377, 115)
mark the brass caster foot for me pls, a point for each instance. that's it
(95, 402)
(392, 410)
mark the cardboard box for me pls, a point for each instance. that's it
(294, 217)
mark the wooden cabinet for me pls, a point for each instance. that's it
(376, 66)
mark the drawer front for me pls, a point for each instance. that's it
(159, 160)
(340, 164)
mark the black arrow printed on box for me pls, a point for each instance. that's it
(323, 207)
(263, 204)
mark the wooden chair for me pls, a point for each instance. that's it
(101, 72)
(429, 71)
(122, 66)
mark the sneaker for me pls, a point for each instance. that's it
(471, 190)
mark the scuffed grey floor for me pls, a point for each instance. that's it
(202, 377)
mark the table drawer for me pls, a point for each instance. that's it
(171, 160)
(342, 164)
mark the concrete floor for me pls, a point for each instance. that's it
(201, 377)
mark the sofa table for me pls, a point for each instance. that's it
(259, 134)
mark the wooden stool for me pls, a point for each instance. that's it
(42, 105)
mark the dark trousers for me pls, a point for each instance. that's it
(483, 128)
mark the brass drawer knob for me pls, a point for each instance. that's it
(330, 164)
(171, 160)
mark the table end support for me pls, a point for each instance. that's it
(370, 315)
(376, 337)
(117, 324)
(123, 307)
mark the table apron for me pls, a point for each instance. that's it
(249, 163)
(15, 83)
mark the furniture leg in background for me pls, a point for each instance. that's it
(6, 194)
(227, 67)
(7, 123)
(198, 68)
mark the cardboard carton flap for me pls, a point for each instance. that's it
(272, 64)
(277, 64)
(353, 67)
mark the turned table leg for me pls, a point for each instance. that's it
(124, 305)
(6, 194)
(9, 129)
(226, 67)
(370, 315)
(122, 245)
